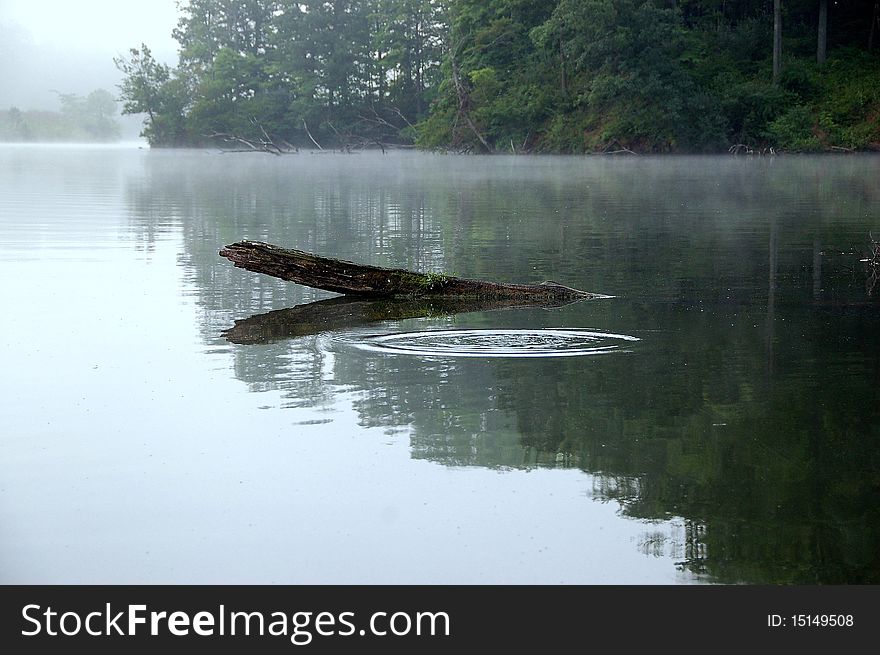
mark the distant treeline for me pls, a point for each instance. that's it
(89, 118)
(518, 75)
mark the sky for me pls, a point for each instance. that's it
(67, 46)
(95, 25)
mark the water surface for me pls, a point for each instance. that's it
(717, 420)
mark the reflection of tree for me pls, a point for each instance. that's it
(450, 406)
(774, 475)
(783, 480)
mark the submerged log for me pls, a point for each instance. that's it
(348, 312)
(375, 282)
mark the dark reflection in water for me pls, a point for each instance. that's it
(751, 407)
(347, 312)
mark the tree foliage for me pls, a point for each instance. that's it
(345, 71)
(152, 88)
(91, 118)
(520, 75)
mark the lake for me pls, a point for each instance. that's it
(716, 421)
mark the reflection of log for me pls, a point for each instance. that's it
(349, 312)
(372, 281)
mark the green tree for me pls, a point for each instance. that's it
(520, 75)
(14, 125)
(634, 84)
(407, 40)
(498, 86)
(95, 114)
(150, 88)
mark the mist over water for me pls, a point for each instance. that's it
(57, 47)
(727, 433)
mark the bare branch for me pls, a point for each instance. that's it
(464, 101)
(310, 135)
(620, 150)
(266, 144)
(400, 113)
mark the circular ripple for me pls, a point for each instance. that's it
(498, 343)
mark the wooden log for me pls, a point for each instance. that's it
(349, 278)
(346, 312)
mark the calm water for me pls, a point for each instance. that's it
(717, 420)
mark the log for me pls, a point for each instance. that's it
(346, 312)
(349, 278)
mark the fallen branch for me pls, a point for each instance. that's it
(267, 141)
(251, 145)
(349, 278)
(400, 113)
(318, 145)
(266, 144)
(621, 149)
(740, 147)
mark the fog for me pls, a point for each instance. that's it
(59, 46)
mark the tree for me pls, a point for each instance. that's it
(875, 23)
(777, 41)
(91, 118)
(408, 41)
(633, 79)
(99, 113)
(509, 75)
(149, 88)
(207, 26)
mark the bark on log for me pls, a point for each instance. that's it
(375, 282)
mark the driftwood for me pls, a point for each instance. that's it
(263, 144)
(349, 278)
(305, 125)
(348, 312)
(615, 147)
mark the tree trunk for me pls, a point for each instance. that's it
(563, 80)
(464, 101)
(374, 282)
(777, 40)
(875, 21)
(822, 45)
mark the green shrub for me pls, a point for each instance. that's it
(750, 107)
(796, 130)
(802, 78)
